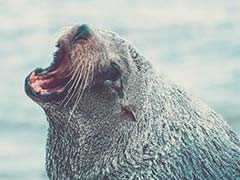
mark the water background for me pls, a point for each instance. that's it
(196, 43)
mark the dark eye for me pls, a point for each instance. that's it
(113, 72)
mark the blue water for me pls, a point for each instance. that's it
(195, 43)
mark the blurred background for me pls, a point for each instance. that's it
(194, 42)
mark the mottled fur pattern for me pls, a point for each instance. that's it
(175, 135)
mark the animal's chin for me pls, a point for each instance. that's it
(50, 83)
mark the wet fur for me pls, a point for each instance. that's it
(175, 136)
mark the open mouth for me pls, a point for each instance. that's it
(76, 67)
(50, 83)
(56, 81)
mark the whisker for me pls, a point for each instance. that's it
(75, 76)
(80, 93)
(75, 72)
(84, 84)
(75, 85)
(71, 73)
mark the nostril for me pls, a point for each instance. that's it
(83, 32)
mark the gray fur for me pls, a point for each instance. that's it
(175, 136)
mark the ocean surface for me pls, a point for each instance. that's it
(194, 42)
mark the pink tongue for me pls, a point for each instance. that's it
(53, 81)
(36, 82)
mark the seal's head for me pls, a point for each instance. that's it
(92, 95)
(90, 71)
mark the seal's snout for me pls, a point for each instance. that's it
(83, 32)
(77, 64)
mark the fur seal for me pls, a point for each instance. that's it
(111, 116)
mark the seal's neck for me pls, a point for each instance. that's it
(71, 154)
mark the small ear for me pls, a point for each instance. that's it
(128, 112)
